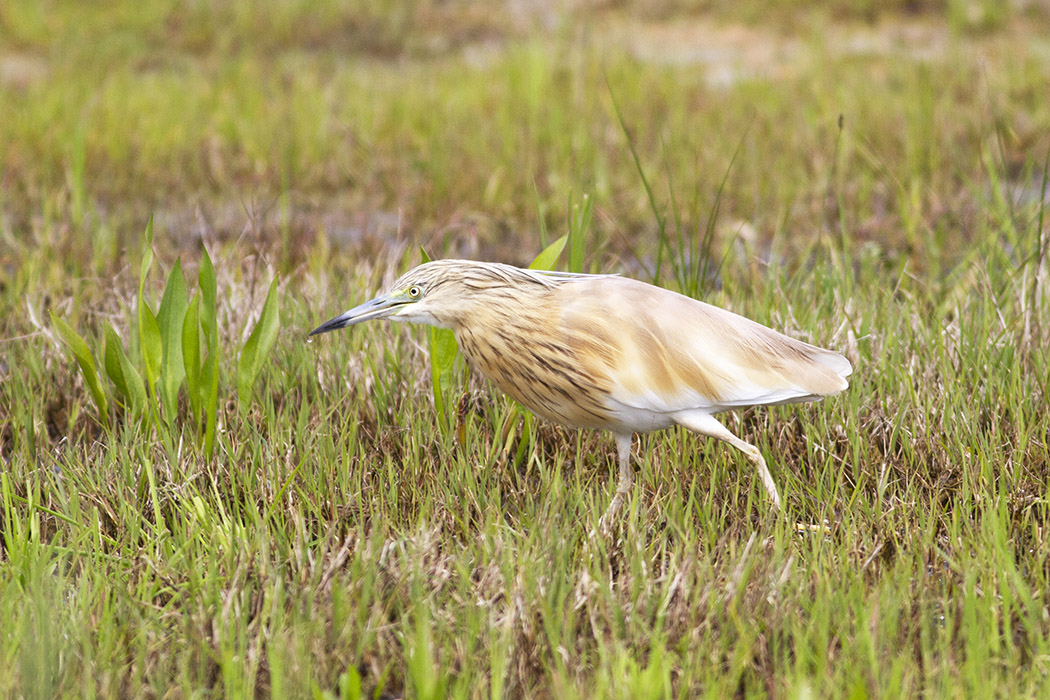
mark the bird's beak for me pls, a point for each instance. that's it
(380, 307)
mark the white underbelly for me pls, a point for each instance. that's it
(637, 420)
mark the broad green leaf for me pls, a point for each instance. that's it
(191, 357)
(138, 389)
(206, 285)
(443, 351)
(113, 368)
(150, 344)
(258, 346)
(209, 380)
(546, 259)
(170, 316)
(123, 373)
(82, 354)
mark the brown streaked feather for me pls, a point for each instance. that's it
(518, 353)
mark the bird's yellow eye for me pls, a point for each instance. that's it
(414, 291)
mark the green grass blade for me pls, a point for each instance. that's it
(259, 344)
(77, 190)
(82, 355)
(350, 685)
(150, 344)
(541, 215)
(661, 221)
(421, 664)
(579, 224)
(210, 398)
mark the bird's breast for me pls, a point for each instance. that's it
(555, 374)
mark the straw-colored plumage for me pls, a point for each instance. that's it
(608, 352)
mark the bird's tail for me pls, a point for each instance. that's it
(836, 363)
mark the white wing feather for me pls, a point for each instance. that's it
(685, 354)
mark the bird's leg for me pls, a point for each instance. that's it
(705, 424)
(623, 486)
(755, 457)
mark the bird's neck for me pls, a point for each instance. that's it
(497, 307)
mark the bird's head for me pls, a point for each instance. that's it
(442, 293)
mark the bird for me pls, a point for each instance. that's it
(607, 352)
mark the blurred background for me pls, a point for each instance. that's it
(473, 128)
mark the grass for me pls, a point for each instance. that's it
(347, 539)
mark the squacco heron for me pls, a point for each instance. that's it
(608, 352)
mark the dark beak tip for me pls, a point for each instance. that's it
(377, 308)
(323, 328)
